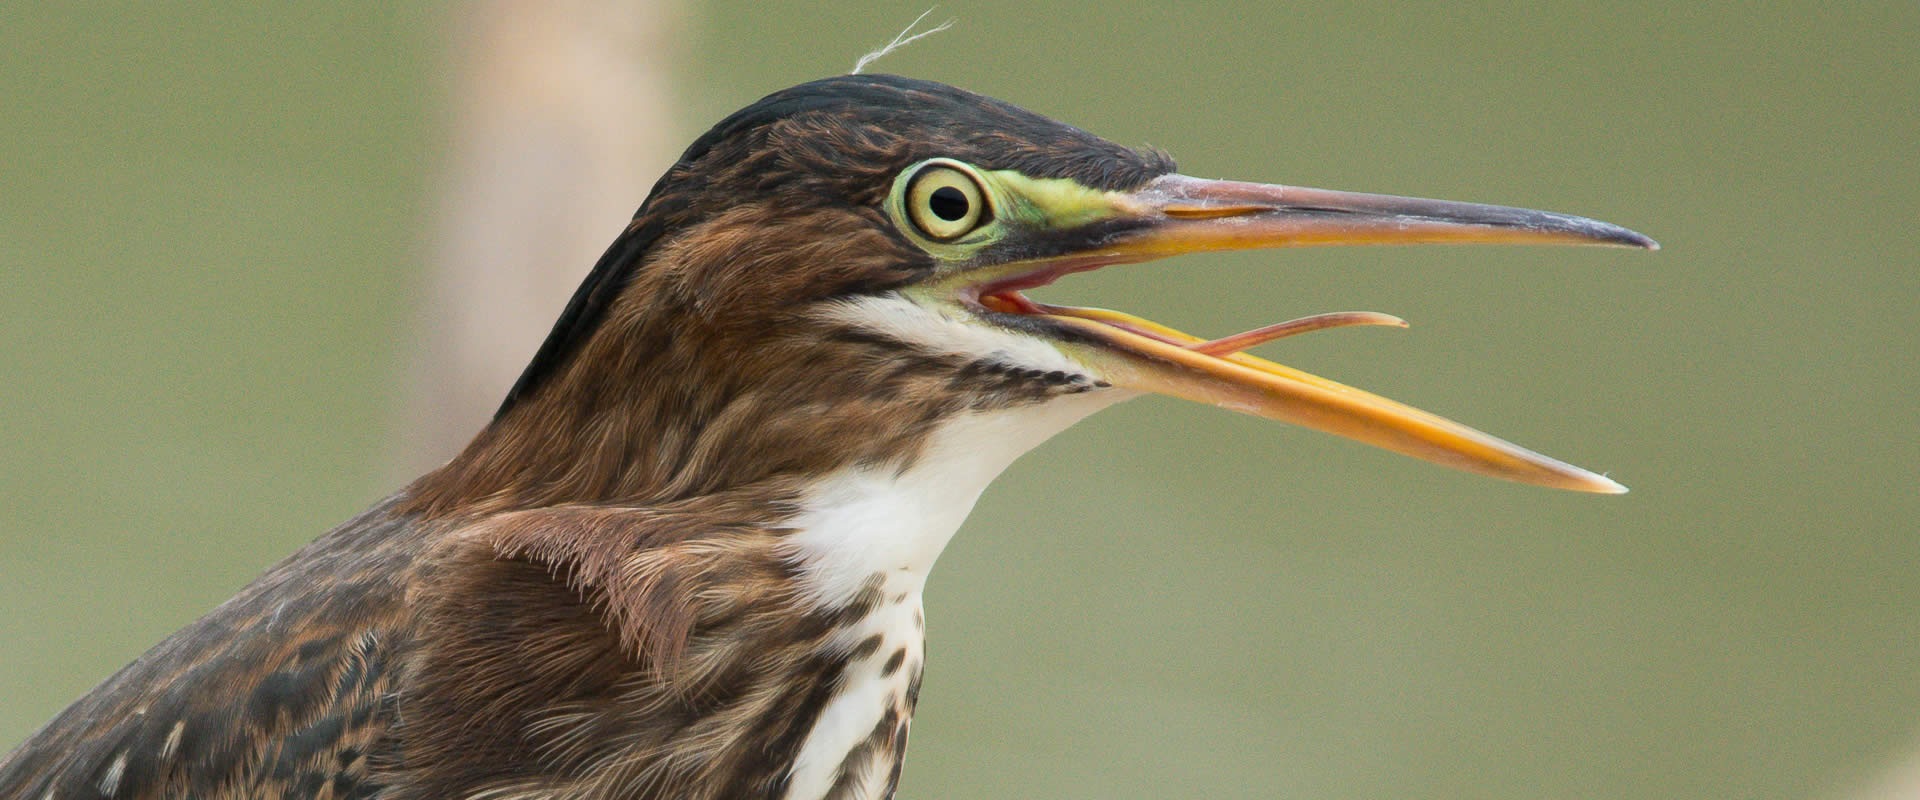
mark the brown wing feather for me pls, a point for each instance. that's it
(570, 652)
(279, 692)
(592, 652)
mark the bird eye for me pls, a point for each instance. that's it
(945, 203)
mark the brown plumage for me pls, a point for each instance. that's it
(588, 601)
(684, 559)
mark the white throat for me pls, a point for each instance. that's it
(880, 520)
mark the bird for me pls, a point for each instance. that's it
(685, 557)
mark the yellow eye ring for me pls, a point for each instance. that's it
(945, 203)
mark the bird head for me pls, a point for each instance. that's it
(828, 273)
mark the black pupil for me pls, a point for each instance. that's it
(948, 203)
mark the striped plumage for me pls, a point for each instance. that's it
(685, 559)
(593, 599)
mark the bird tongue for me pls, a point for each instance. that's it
(1014, 302)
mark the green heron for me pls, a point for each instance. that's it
(685, 558)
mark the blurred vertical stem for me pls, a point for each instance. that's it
(557, 120)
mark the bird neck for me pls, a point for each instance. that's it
(686, 414)
(656, 409)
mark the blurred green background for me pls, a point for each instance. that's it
(212, 219)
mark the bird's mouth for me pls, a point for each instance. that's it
(1176, 214)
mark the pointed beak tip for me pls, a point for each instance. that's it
(1640, 240)
(1606, 485)
(1607, 233)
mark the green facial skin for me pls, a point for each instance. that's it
(1016, 202)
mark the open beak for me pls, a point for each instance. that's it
(1176, 214)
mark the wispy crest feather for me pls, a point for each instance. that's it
(902, 39)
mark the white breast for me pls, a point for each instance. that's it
(881, 523)
(870, 690)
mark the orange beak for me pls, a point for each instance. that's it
(1176, 214)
